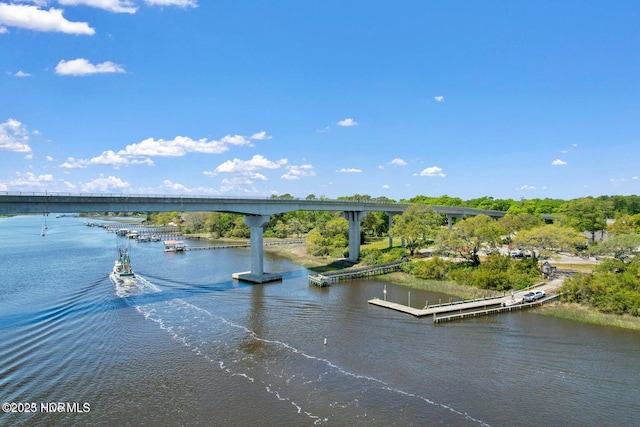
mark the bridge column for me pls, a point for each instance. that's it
(450, 221)
(354, 218)
(256, 225)
(390, 215)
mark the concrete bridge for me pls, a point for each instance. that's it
(256, 213)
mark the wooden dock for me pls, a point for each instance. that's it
(474, 308)
(245, 244)
(324, 280)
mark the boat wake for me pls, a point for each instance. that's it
(312, 385)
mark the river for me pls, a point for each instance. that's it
(189, 346)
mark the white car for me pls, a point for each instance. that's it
(533, 296)
(538, 295)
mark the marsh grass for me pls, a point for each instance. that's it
(444, 287)
(580, 313)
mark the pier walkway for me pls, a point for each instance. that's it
(245, 245)
(326, 279)
(479, 307)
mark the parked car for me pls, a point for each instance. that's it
(539, 295)
(517, 254)
(533, 296)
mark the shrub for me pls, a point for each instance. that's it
(433, 269)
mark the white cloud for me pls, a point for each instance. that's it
(635, 177)
(347, 122)
(236, 181)
(182, 189)
(260, 136)
(21, 73)
(558, 162)
(14, 137)
(248, 167)
(433, 171)
(398, 162)
(104, 184)
(349, 170)
(386, 187)
(439, 98)
(527, 187)
(174, 186)
(117, 6)
(235, 140)
(177, 147)
(179, 3)
(82, 67)
(73, 163)
(295, 172)
(140, 152)
(33, 18)
(119, 159)
(49, 158)
(323, 130)
(27, 181)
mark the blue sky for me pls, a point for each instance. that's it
(507, 99)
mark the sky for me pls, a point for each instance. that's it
(240, 98)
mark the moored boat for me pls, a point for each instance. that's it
(174, 246)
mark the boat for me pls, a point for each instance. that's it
(174, 246)
(122, 267)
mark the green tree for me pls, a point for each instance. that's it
(195, 221)
(469, 236)
(330, 238)
(375, 223)
(512, 223)
(164, 218)
(624, 224)
(613, 288)
(417, 225)
(586, 214)
(620, 246)
(548, 240)
(239, 228)
(219, 224)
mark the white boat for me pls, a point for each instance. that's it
(174, 246)
(122, 267)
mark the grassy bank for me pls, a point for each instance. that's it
(445, 287)
(580, 313)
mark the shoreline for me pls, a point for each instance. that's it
(563, 310)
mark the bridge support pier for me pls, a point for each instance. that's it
(390, 215)
(354, 218)
(256, 225)
(450, 218)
